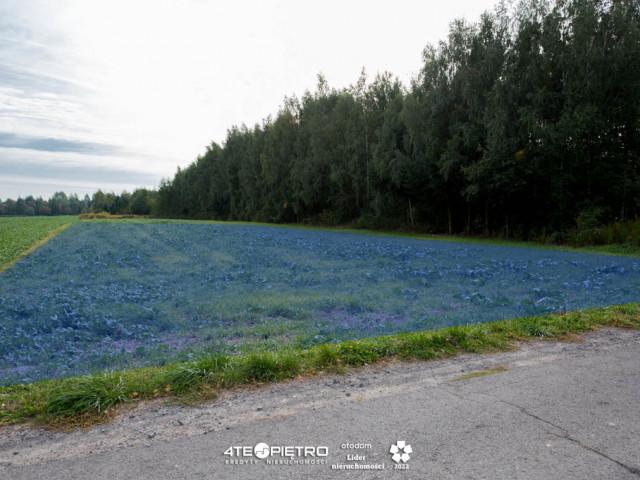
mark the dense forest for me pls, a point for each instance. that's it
(525, 121)
(522, 124)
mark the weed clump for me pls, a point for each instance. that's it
(84, 394)
(189, 375)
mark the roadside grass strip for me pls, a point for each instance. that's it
(87, 400)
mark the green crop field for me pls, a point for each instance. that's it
(19, 234)
(256, 287)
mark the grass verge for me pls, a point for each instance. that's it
(93, 399)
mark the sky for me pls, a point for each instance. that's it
(117, 94)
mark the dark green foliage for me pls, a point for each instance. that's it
(140, 202)
(517, 125)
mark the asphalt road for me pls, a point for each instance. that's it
(562, 411)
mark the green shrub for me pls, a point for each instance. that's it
(591, 232)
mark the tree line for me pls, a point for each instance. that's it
(523, 122)
(140, 202)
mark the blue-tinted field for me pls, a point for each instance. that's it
(109, 296)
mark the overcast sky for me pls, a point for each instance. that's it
(116, 94)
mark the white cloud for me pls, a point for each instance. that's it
(159, 80)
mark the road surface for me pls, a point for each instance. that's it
(553, 411)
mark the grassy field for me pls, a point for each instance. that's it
(261, 301)
(104, 297)
(20, 235)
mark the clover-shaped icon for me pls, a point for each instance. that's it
(400, 451)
